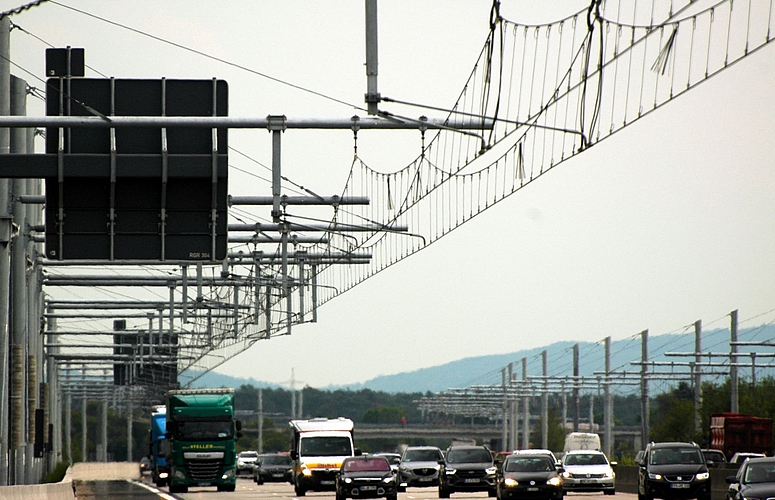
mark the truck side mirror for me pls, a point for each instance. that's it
(239, 435)
(239, 425)
(358, 452)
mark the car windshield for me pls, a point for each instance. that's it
(248, 454)
(422, 456)
(585, 459)
(277, 460)
(671, 456)
(529, 464)
(759, 473)
(469, 456)
(368, 464)
(325, 446)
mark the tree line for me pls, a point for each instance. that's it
(671, 416)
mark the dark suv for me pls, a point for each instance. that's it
(467, 468)
(673, 471)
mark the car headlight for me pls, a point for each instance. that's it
(554, 481)
(702, 476)
(348, 480)
(608, 475)
(510, 482)
(490, 470)
(655, 477)
(389, 479)
(449, 470)
(566, 474)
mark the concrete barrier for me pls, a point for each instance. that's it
(65, 490)
(51, 491)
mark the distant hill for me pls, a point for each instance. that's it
(486, 370)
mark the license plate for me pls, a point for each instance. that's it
(425, 479)
(204, 484)
(277, 475)
(368, 488)
(679, 485)
(471, 480)
(532, 489)
(326, 483)
(587, 481)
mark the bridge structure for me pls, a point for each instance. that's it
(593, 74)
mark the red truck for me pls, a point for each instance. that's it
(733, 432)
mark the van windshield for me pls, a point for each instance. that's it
(325, 446)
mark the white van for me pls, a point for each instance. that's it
(581, 441)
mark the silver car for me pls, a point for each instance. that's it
(419, 466)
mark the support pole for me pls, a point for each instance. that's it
(5, 263)
(576, 395)
(608, 418)
(733, 382)
(644, 389)
(525, 408)
(545, 402)
(697, 377)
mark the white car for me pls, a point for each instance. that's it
(588, 470)
(245, 461)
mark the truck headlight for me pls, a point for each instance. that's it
(227, 474)
(179, 474)
(305, 471)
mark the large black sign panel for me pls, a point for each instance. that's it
(137, 193)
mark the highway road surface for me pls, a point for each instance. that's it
(247, 489)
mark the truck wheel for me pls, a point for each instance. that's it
(178, 489)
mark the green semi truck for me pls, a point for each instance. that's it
(202, 434)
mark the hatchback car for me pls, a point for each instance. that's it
(588, 470)
(419, 466)
(673, 471)
(273, 468)
(467, 468)
(530, 477)
(742, 456)
(245, 461)
(754, 479)
(714, 456)
(366, 476)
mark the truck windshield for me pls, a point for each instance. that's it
(325, 446)
(195, 430)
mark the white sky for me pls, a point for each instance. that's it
(669, 221)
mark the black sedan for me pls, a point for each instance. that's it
(754, 479)
(366, 477)
(526, 476)
(273, 468)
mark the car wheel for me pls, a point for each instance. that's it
(339, 496)
(394, 496)
(492, 493)
(443, 492)
(401, 489)
(613, 492)
(300, 492)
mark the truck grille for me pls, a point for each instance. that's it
(203, 470)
